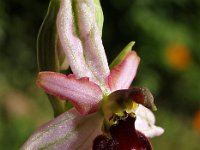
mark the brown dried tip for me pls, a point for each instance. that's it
(143, 96)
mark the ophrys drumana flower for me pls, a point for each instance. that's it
(105, 109)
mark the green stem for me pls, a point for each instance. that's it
(57, 105)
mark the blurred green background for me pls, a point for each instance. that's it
(167, 35)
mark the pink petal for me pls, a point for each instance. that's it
(90, 35)
(69, 131)
(123, 74)
(84, 94)
(70, 42)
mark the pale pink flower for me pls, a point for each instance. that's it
(90, 88)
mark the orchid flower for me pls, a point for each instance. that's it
(107, 112)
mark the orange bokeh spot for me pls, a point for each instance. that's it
(178, 56)
(196, 122)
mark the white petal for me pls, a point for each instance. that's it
(145, 122)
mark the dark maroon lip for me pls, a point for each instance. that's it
(123, 137)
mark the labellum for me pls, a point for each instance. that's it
(124, 136)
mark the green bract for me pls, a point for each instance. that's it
(122, 55)
(47, 40)
(47, 54)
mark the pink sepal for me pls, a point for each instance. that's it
(82, 93)
(69, 131)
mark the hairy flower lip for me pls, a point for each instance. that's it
(127, 136)
(124, 136)
(102, 142)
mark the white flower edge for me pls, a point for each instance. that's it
(145, 123)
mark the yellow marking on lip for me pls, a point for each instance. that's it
(131, 108)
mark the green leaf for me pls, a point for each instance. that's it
(57, 105)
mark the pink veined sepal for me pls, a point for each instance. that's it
(82, 93)
(81, 40)
(69, 131)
